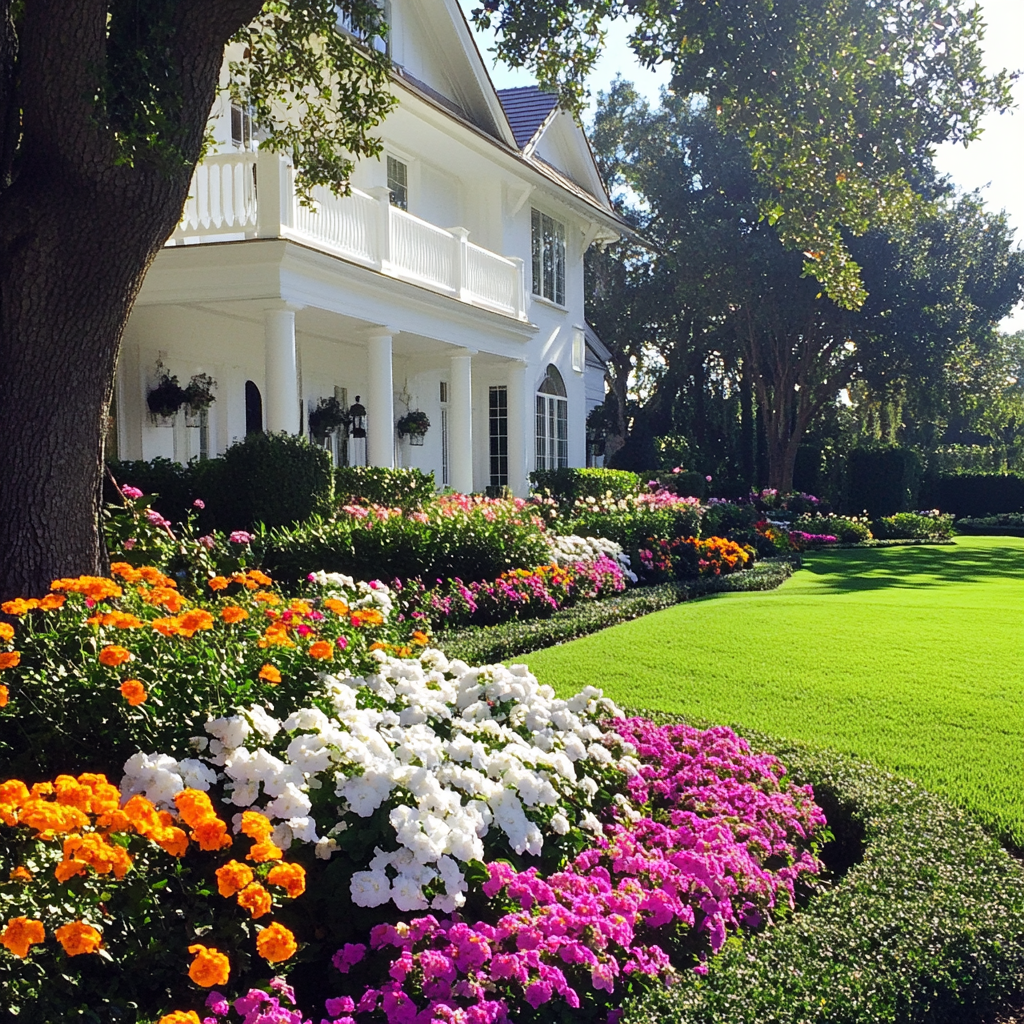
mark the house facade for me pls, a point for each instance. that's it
(449, 282)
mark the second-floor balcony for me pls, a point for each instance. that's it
(251, 195)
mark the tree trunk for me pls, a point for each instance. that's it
(748, 439)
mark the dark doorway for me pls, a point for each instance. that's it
(253, 409)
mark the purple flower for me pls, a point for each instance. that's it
(708, 478)
(131, 493)
(240, 537)
(208, 541)
(344, 960)
(155, 518)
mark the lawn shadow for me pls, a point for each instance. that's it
(912, 567)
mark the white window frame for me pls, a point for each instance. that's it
(551, 424)
(579, 349)
(548, 256)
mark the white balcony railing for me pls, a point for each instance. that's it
(250, 195)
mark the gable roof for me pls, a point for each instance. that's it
(527, 108)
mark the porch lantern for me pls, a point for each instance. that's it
(357, 418)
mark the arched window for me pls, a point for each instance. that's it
(253, 409)
(552, 422)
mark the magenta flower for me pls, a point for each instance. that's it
(240, 537)
(131, 493)
(199, 503)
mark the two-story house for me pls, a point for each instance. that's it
(450, 281)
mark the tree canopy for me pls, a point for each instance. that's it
(836, 100)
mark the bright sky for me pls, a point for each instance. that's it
(995, 163)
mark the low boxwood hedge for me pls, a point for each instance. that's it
(483, 645)
(926, 926)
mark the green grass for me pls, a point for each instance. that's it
(909, 657)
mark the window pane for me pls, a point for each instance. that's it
(536, 242)
(541, 433)
(549, 259)
(398, 182)
(562, 407)
(498, 415)
(559, 258)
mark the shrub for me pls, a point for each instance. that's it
(171, 485)
(732, 520)
(846, 529)
(406, 489)
(630, 520)
(914, 526)
(924, 927)
(883, 480)
(1009, 524)
(273, 479)
(686, 483)
(686, 557)
(566, 486)
(978, 494)
(451, 536)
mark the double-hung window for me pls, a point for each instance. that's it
(498, 435)
(398, 182)
(548, 257)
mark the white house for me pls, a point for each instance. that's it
(450, 281)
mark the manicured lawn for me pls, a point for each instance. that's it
(912, 657)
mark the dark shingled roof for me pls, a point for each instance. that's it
(526, 109)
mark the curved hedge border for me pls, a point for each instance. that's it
(484, 645)
(927, 927)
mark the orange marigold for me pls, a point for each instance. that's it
(291, 878)
(260, 577)
(10, 659)
(171, 840)
(194, 806)
(6, 631)
(367, 617)
(92, 849)
(218, 583)
(21, 874)
(19, 606)
(96, 588)
(300, 607)
(134, 692)
(276, 943)
(332, 604)
(20, 933)
(270, 674)
(321, 650)
(52, 602)
(263, 851)
(232, 614)
(268, 598)
(114, 655)
(210, 966)
(193, 621)
(168, 625)
(77, 937)
(255, 899)
(180, 1017)
(211, 834)
(420, 638)
(51, 819)
(256, 825)
(163, 597)
(233, 877)
(4, 695)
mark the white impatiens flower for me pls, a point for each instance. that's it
(453, 763)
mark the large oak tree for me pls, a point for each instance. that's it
(104, 107)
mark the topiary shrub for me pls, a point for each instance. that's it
(377, 485)
(567, 485)
(273, 479)
(882, 480)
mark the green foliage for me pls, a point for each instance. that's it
(913, 526)
(631, 520)
(1009, 524)
(846, 529)
(171, 485)
(732, 520)
(977, 494)
(922, 928)
(687, 483)
(273, 479)
(406, 489)
(567, 485)
(449, 538)
(882, 479)
(834, 100)
(488, 644)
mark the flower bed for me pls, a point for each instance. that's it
(292, 799)
(630, 519)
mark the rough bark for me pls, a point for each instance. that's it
(78, 229)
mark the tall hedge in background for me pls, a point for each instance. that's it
(882, 480)
(975, 494)
(566, 485)
(274, 479)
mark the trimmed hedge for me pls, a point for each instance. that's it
(566, 485)
(882, 480)
(926, 926)
(488, 644)
(1009, 524)
(173, 483)
(976, 494)
(377, 485)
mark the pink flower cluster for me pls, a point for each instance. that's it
(723, 841)
(521, 593)
(257, 1006)
(801, 540)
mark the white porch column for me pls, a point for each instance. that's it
(460, 423)
(282, 374)
(520, 431)
(380, 402)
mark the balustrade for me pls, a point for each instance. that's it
(225, 202)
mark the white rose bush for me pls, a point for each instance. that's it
(437, 842)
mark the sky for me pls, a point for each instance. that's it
(994, 163)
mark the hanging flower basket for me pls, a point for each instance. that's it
(327, 417)
(166, 399)
(413, 425)
(198, 396)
